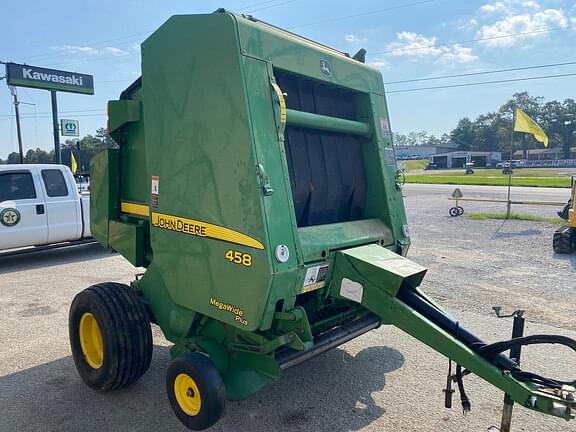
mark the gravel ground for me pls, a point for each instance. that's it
(382, 381)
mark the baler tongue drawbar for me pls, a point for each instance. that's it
(386, 284)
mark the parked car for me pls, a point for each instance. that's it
(40, 205)
(512, 163)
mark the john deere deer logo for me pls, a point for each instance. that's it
(326, 67)
(9, 217)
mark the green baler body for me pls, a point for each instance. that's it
(256, 181)
(206, 121)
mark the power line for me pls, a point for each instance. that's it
(510, 35)
(396, 82)
(271, 6)
(482, 73)
(481, 83)
(31, 116)
(249, 6)
(65, 112)
(95, 44)
(373, 12)
(135, 36)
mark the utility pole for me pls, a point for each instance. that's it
(79, 161)
(56, 128)
(18, 129)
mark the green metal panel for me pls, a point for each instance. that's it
(384, 198)
(296, 54)
(126, 126)
(198, 143)
(318, 241)
(104, 197)
(128, 240)
(277, 207)
(121, 112)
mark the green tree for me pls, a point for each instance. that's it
(464, 135)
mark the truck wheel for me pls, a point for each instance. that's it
(562, 242)
(195, 391)
(110, 336)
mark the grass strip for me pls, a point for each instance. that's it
(517, 216)
(556, 182)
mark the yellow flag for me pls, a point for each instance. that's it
(73, 163)
(524, 123)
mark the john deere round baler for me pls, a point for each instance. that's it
(256, 182)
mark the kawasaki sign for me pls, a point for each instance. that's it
(48, 79)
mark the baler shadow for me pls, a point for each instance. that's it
(331, 392)
(52, 257)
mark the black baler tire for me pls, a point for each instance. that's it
(562, 242)
(125, 331)
(212, 391)
(454, 211)
(460, 210)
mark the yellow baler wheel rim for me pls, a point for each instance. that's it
(187, 394)
(91, 341)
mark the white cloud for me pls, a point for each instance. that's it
(379, 64)
(351, 38)
(457, 54)
(491, 8)
(530, 4)
(509, 6)
(416, 46)
(72, 49)
(527, 23)
(87, 50)
(115, 51)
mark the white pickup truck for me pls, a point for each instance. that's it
(41, 205)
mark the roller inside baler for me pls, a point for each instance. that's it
(256, 181)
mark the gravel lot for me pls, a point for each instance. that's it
(382, 381)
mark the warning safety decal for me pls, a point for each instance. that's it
(315, 278)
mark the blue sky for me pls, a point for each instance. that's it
(405, 39)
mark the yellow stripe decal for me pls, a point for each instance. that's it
(282, 102)
(135, 209)
(203, 229)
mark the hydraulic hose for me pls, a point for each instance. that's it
(490, 352)
(411, 298)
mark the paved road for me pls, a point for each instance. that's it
(443, 192)
(496, 192)
(383, 381)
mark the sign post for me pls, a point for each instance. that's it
(56, 130)
(52, 80)
(509, 202)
